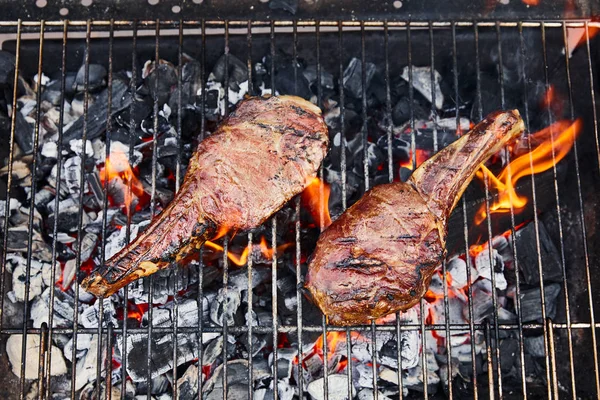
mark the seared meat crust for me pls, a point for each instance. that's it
(265, 153)
(380, 255)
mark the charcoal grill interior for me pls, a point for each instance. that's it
(484, 66)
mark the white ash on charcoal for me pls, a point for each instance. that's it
(39, 277)
(90, 316)
(337, 386)
(352, 79)
(421, 81)
(163, 316)
(18, 239)
(14, 346)
(162, 353)
(63, 309)
(225, 306)
(487, 263)
(169, 282)
(237, 379)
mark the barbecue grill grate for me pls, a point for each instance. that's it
(305, 33)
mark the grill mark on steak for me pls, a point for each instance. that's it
(265, 153)
(379, 256)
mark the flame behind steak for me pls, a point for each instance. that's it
(265, 153)
(380, 255)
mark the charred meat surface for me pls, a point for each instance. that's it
(265, 153)
(380, 255)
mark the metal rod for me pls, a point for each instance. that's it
(584, 236)
(47, 393)
(517, 278)
(465, 228)
(86, 100)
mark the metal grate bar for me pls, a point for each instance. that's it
(513, 229)
(534, 198)
(132, 124)
(36, 139)
(250, 239)
(105, 207)
(496, 343)
(584, 236)
(80, 217)
(200, 298)
(11, 147)
(465, 225)
(48, 361)
(558, 216)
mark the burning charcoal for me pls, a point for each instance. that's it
(285, 359)
(527, 255)
(531, 306)
(225, 306)
(19, 277)
(187, 384)
(14, 345)
(76, 146)
(237, 379)
(63, 309)
(96, 78)
(289, 79)
(482, 263)
(86, 365)
(7, 69)
(98, 112)
(166, 75)
(337, 385)
(84, 342)
(212, 351)
(290, 6)
(68, 219)
(236, 69)
(91, 315)
(23, 134)
(482, 301)
(116, 241)
(310, 73)
(239, 278)
(509, 349)
(401, 113)
(457, 267)
(534, 345)
(367, 394)
(162, 353)
(18, 237)
(352, 79)
(421, 80)
(88, 245)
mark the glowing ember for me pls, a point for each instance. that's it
(556, 142)
(117, 167)
(531, 2)
(242, 259)
(420, 157)
(316, 199)
(136, 311)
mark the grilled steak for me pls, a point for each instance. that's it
(265, 153)
(380, 255)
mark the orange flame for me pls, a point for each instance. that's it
(558, 139)
(577, 36)
(531, 2)
(420, 157)
(242, 259)
(317, 201)
(110, 171)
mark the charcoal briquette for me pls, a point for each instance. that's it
(291, 6)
